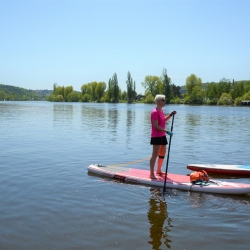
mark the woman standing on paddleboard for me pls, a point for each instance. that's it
(158, 134)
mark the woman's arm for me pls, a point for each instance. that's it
(156, 126)
(168, 117)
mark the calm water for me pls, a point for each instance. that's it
(49, 201)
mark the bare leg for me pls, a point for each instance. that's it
(153, 160)
(162, 153)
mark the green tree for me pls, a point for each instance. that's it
(59, 98)
(187, 99)
(105, 97)
(85, 88)
(67, 90)
(134, 91)
(167, 88)
(100, 90)
(237, 90)
(191, 82)
(223, 86)
(176, 90)
(114, 91)
(2, 95)
(50, 98)
(54, 88)
(59, 91)
(11, 97)
(153, 85)
(246, 86)
(211, 93)
(124, 95)
(130, 88)
(194, 90)
(64, 97)
(197, 95)
(93, 92)
(110, 90)
(73, 97)
(116, 88)
(246, 96)
(26, 98)
(86, 98)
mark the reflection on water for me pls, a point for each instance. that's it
(130, 122)
(113, 118)
(159, 221)
(192, 120)
(93, 118)
(130, 119)
(62, 112)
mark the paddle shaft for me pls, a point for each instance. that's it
(166, 172)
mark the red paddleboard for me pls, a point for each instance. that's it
(222, 169)
(175, 181)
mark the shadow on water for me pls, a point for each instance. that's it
(158, 218)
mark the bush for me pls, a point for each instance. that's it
(211, 102)
(246, 96)
(176, 100)
(187, 100)
(238, 101)
(225, 99)
(149, 99)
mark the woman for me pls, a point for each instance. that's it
(158, 134)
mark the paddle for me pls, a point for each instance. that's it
(166, 172)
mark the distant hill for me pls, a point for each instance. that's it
(12, 93)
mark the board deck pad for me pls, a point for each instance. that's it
(176, 181)
(222, 169)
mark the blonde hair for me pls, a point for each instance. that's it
(159, 97)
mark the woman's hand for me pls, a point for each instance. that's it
(173, 113)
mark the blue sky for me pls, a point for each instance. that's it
(76, 42)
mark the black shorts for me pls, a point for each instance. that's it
(159, 140)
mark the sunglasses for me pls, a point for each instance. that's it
(163, 100)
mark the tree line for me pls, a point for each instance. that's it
(90, 92)
(112, 93)
(225, 92)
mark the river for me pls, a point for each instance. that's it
(50, 201)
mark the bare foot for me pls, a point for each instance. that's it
(152, 177)
(160, 173)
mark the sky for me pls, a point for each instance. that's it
(75, 42)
